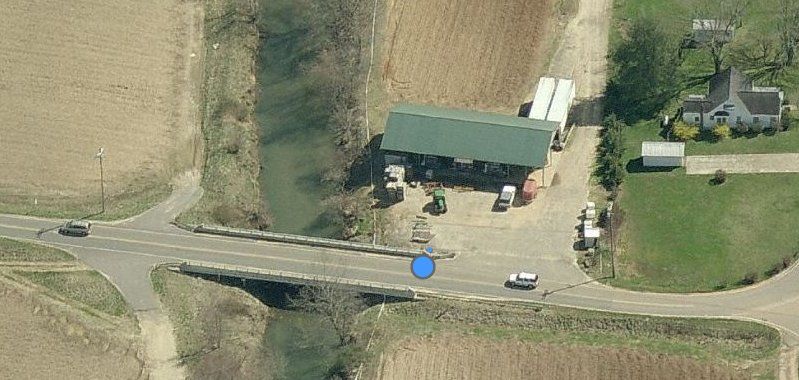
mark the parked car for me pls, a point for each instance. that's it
(506, 197)
(522, 280)
(76, 228)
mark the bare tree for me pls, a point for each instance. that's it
(724, 17)
(332, 301)
(788, 30)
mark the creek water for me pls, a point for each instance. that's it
(295, 142)
(304, 346)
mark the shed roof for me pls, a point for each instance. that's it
(542, 98)
(474, 135)
(662, 149)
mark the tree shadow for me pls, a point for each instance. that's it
(587, 111)
(524, 109)
(637, 166)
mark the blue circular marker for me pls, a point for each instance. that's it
(423, 267)
(429, 250)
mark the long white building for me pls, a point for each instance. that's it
(552, 101)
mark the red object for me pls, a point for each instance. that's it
(529, 190)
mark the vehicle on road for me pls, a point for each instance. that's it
(76, 228)
(524, 280)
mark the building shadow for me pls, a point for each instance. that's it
(637, 166)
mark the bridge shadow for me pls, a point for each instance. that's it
(548, 292)
(279, 295)
(57, 226)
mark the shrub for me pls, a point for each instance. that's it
(685, 131)
(756, 127)
(719, 177)
(741, 128)
(749, 279)
(721, 131)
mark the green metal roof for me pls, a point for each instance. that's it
(468, 134)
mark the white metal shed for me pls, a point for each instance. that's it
(663, 154)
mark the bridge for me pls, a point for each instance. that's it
(127, 254)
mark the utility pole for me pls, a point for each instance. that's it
(612, 244)
(100, 154)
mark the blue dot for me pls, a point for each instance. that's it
(429, 250)
(423, 267)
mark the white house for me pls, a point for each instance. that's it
(734, 100)
(552, 101)
(661, 153)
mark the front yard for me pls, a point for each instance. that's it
(682, 234)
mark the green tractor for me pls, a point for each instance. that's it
(439, 203)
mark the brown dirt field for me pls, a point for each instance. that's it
(473, 54)
(460, 357)
(44, 341)
(78, 75)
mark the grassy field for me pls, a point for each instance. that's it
(641, 345)
(682, 234)
(87, 287)
(14, 250)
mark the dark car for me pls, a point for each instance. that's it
(76, 228)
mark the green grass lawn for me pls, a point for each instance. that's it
(14, 250)
(87, 287)
(682, 234)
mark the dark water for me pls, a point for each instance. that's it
(295, 144)
(302, 343)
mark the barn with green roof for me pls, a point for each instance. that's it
(451, 141)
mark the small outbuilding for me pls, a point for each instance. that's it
(663, 154)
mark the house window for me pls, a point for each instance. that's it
(738, 119)
(755, 119)
(696, 119)
(721, 120)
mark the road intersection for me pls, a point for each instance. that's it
(127, 254)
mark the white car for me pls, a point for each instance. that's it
(522, 280)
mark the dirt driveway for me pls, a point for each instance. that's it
(743, 163)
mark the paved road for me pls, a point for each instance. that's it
(743, 163)
(126, 254)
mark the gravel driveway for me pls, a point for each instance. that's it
(743, 163)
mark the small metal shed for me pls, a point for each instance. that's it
(590, 234)
(662, 154)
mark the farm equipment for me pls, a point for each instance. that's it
(439, 202)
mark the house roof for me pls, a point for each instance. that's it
(662, 149)
(732, 85)
(709, 24)
(696, 105)
(474, 135)
(761, 103)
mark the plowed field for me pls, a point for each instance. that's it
(82, 74)
(476, 54)
(456, 357)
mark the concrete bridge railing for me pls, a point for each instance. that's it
(198, 267)
(315, 242)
